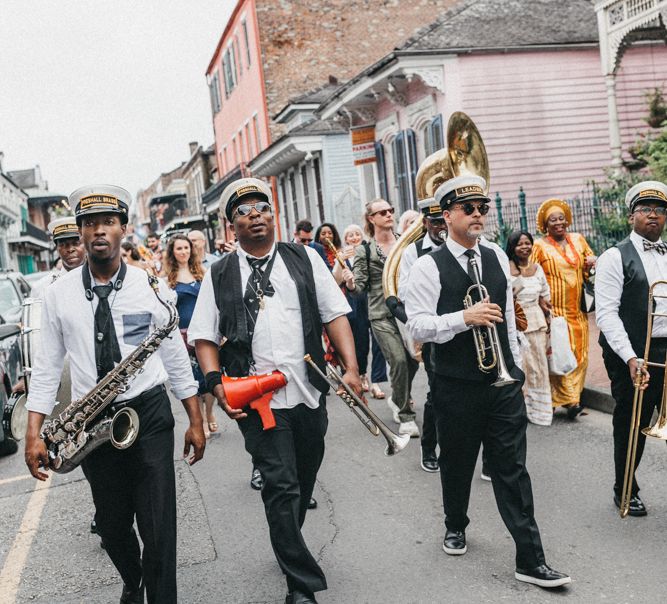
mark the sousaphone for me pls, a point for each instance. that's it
(465, 154)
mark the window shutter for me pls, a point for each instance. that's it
(437, 133)
(401, 171)
(382, 170)
(411, 145)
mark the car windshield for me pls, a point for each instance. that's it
(9, 298)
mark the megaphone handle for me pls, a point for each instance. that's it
(263, 406)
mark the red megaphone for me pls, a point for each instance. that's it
(256, 392)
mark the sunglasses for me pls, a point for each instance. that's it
(435, 221)
(469, 208)
(646, 211)
(262, 207)
(306, 240)
(385, 212)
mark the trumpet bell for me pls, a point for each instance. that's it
(657, 430)
(396, 444)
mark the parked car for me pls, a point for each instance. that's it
(33, 278)
(13, 289)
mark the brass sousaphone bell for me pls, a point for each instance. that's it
(465, 154)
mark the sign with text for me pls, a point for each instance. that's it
(363, 145)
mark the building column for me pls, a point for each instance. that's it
(614, 126)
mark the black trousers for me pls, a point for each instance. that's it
(139, 482)
(429, 438)
(470, 413)
(289, 457)
(623, 392)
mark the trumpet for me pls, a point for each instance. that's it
(395, 443)
(332, 247)
(487, 343)
(659, 428)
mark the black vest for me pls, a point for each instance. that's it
(457, 358)
(634, 299)
(236, 352)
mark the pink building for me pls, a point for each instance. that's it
(528, 74)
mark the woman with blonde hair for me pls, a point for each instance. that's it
(406, 220)
(366, 276)
(353, 237)
(184, 273)
(567, 260)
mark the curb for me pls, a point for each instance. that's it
(600, 400)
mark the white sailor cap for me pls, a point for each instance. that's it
(430, 207)
(649, 190)
(97, 199)
(241, 188)
(63, 228)
(461, 189)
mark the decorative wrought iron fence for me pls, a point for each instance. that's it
(604, 222)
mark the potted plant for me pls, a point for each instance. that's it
(657, 108)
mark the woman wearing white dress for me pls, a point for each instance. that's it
(531, 291)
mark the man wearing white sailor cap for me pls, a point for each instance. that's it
(623, 276)
(469, 410)
(436, 231)
(100, 313)
(65, 234)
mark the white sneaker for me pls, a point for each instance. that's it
(394, 410)
(409, 428)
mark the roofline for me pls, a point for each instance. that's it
(293, 108)
(393, 57)
(233, 16)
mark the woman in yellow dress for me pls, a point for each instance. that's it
(567, 260)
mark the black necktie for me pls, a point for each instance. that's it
(658, 246)
(107, 350)
(254, 292)
(471, 273)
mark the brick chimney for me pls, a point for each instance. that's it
(193, 147)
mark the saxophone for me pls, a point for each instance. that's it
(81, 427)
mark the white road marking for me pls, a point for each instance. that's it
(10, 576)
(15, 478)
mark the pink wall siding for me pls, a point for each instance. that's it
(247, 98)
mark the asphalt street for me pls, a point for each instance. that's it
(377, 531)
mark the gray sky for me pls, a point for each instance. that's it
(105, 92)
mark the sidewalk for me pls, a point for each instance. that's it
(596, 394)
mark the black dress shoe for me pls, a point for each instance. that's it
(300, 597)
(573, 410)
(8, 447)
(429, 461)
(312, 504)
(543, 576)
(637, 507)
(132, 596)
(256, 480)
(455, 543)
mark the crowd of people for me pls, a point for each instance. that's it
(478, 316)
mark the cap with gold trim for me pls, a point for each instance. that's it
(461, 189)
(63, 228)
(98, 199)
(649, 190)
(430, 207)
(240, 189)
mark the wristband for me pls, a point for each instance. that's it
(213, 378)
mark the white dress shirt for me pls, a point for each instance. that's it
(423, 293)
(608, 291)
(68, 326)
(277, 341)
(37, 291)
(408, 259)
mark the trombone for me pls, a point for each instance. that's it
(659, 428)
(395, 443)
(487, 343)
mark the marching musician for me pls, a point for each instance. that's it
(99, 313)
(469, 410)
(436, 232)
(624, 274)
(70, 249)
(256, 301)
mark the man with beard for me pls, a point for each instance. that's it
(268, 302)
(436, 232)
(622, 279)
(469, 409)
(99, 313)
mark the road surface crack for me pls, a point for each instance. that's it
(331, 518)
